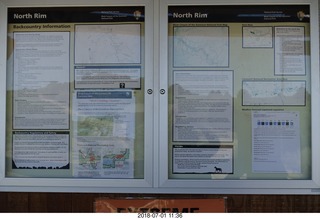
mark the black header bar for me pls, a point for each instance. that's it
(75, 14)
(240, 13)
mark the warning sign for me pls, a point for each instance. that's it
(160, 205)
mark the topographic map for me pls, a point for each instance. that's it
(95, 126)
(108, 43)
(201, 46)
(275, 93)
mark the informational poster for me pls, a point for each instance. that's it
(40, 150)
(203, 106)
(239, 91)
(100, 77)
(104, 134)
(276, 142)
(41, 80)
(74, 92)
(203, 159)
(289, 51)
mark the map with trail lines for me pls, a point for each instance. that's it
(117, 44)
(205, 46)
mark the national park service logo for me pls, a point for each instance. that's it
(137, 14)
(301, 15)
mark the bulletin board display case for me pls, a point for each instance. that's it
(160, 96)
(242, 94)
(77, 106)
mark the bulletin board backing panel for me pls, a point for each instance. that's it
(240, 89)
(79, 107)
(241, 94)
(158, 96)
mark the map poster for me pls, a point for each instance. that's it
(274, 93)
(257, 37)
(201, 46)
(108, 43)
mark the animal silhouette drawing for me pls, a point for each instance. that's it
(218, 170)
